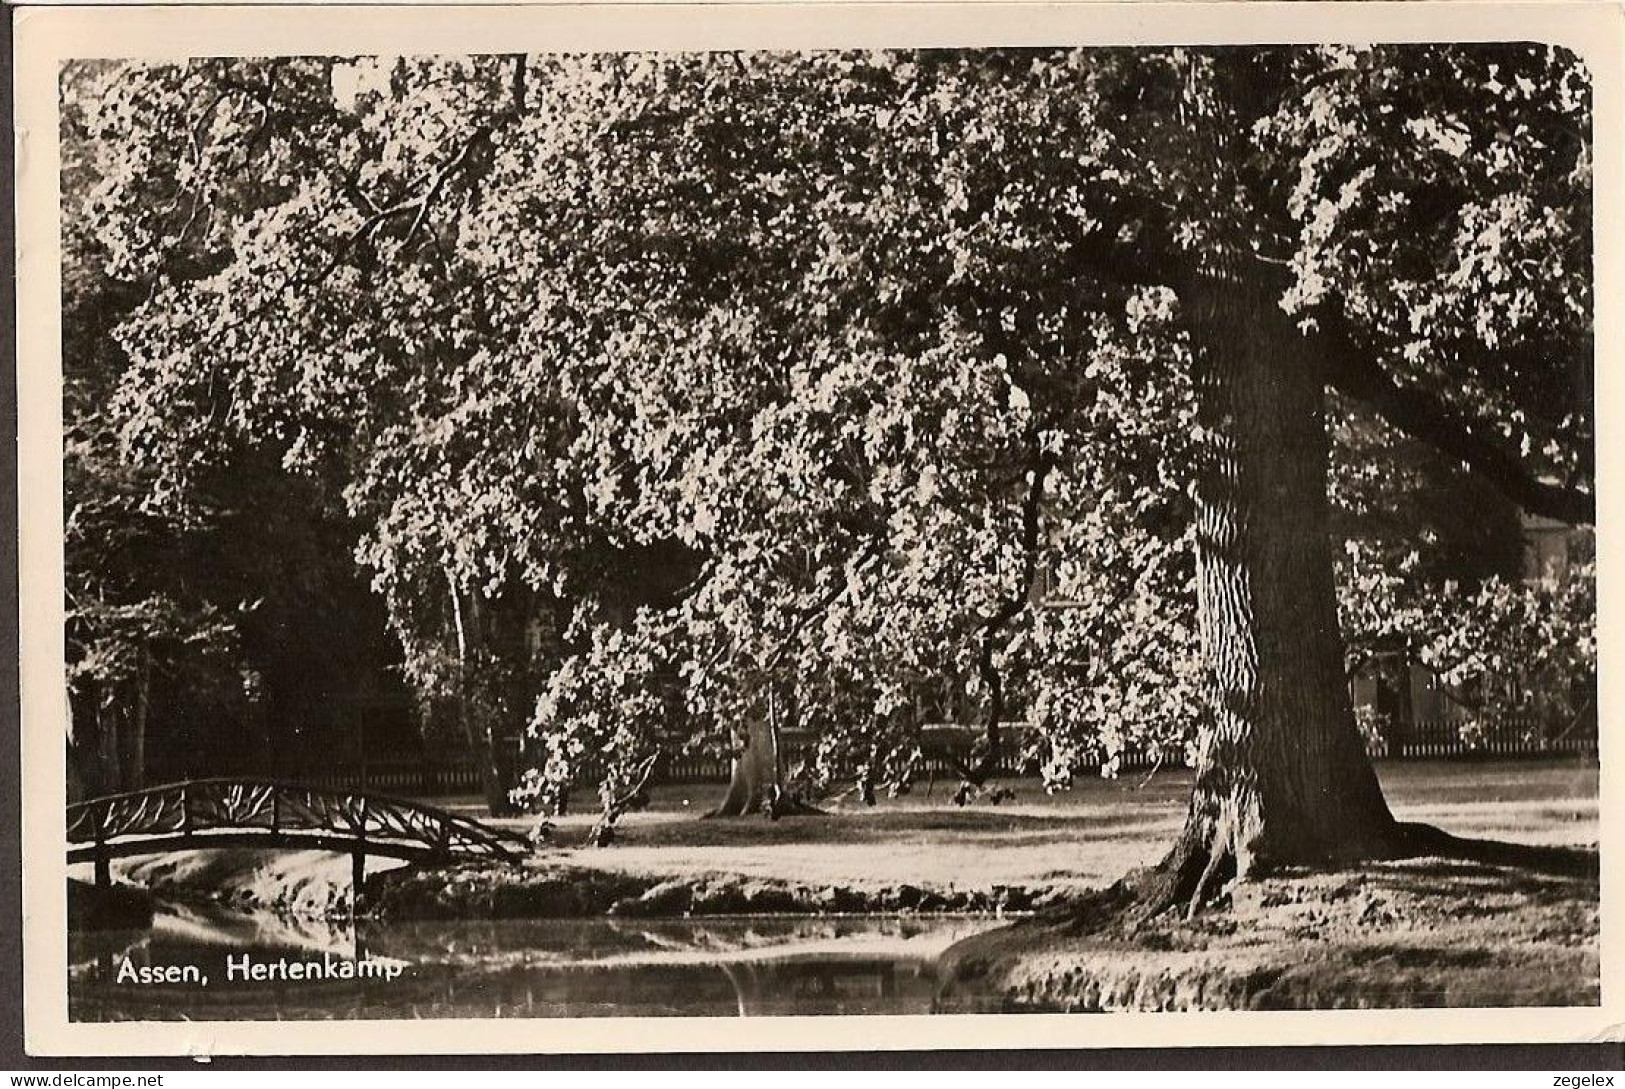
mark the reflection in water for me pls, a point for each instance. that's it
(546, 968)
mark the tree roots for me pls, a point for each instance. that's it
(1199, 871)
(1190, 877)
(783, 805)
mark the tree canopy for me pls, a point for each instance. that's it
(669, 391)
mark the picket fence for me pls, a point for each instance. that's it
(1511, 737)
(1439, 739)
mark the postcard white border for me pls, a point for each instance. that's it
(46, 36)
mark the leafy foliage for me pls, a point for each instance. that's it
(665, 389)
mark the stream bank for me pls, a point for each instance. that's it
(309, 883)
(1419, 933)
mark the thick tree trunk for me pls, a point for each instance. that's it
(753, 780)
(1283, 777)
(756, 780)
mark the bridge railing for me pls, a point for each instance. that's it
(249, 812)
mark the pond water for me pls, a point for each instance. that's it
(218, 965)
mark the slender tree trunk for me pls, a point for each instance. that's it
(110, 749)
(135, 763)
(474, 706)
(497, 775)
(974, 778)
(1283, 777)
(497, 758)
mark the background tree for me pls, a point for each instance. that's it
(217, 626)
(1438, 571)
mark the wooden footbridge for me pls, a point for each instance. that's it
(265, 813)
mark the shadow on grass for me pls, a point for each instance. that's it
(1552, 861)
(895, 826)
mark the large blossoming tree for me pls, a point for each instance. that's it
(683, 394)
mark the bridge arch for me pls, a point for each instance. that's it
(267, 813)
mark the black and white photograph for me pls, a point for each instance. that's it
(1003, 530)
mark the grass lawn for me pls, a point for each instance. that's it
(1088, 836)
